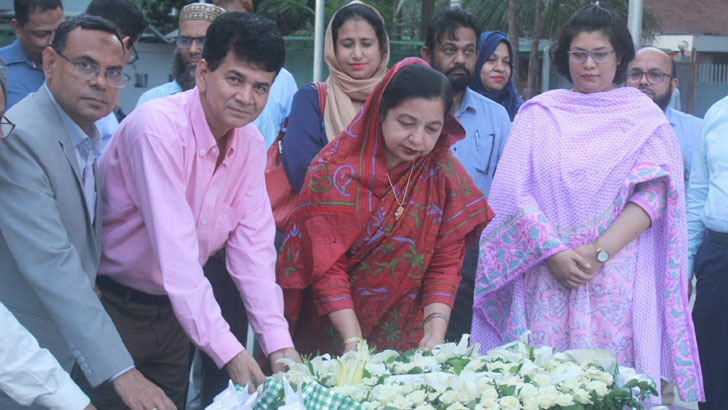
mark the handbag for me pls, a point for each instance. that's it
(281, 193)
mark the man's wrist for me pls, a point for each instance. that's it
(119, 373)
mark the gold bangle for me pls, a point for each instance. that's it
(353, 339)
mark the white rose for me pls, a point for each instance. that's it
(449, 397)
(599, 387)
(417, 397)
(376, 369)
(425, 406)
(482, 384)
(527, 390)
(489, 393)
(475, 365)
(385, 393)
(570, 384)
(401, 402)
(372, 405)
(564, 400)
(581, 396)
(530, 403)
(487, 404)
(456, 406)
(546, 400)
(542, 380)
(370, 381)
(509, 403)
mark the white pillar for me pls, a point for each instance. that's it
(634, 22)
(318, 41)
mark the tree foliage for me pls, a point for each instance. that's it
(162, 14)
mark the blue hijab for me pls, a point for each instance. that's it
(507, 97)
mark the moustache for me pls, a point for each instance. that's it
(458, 70)
(646, 89)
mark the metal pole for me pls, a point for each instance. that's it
(634, 22)
(318, 41)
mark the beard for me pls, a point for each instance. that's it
(662, 100)
(459, 78)
(183, 73)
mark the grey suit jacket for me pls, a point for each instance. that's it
(49, 248)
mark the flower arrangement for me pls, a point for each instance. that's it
(456, 377)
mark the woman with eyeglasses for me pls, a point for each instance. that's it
(588, 248)
(493, 75)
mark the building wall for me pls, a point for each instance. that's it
(691, 16)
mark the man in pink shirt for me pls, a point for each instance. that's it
(181, 180)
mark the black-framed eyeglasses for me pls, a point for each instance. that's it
(599, 56)
(653, 76)
(134, 56)
(186, 42)
(115, 77)
(6, 126)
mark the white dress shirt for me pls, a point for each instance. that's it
(31, 374)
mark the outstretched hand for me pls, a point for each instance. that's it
(244, 370)
(138, 393)
(570, 268)
(287, 353)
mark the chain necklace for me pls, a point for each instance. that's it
(400, 208)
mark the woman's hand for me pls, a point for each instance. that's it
(570, 269)
(434, 325)
(429, 341)
(589, 253)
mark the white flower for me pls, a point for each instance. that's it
(530, 403)
(456, 406)
(370, 381)
(541, 380)
(376, 369)
(598, 387)
(425, 406)
(385, 393)
(527, 390)
(484, 383)
(401, 402)
(417, 397)
(546, 400)
(358, 393)
(372, 405)
(569, 384)
(449, 397)
(475, 365)
(563, 400)
(487, 405)
(581, 396)
(509, 403)
(489, 393)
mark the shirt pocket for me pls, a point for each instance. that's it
(227, 221)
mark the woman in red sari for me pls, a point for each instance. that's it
(375, 243)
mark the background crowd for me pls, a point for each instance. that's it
(132, 244)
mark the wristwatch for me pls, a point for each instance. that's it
(602, 255)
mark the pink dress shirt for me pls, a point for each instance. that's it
(165, 211)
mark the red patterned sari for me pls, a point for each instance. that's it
(344, 248)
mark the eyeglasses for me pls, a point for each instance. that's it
(134, 56)
(653, 76)
(6, 127)
(186, 42)
(599, 56)
(114, 77)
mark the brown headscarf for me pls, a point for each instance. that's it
(342, 89)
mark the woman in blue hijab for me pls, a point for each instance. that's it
(493, 71)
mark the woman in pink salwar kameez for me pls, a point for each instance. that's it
(588, 248)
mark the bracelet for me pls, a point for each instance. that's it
(353, 339)
(436, 315)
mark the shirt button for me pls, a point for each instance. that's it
(204, 221)
(203, 152)
(214, 150)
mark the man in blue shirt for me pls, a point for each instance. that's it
(653, 72)
(193, 22)
(451, 48)
(34, 24)
(707, 211)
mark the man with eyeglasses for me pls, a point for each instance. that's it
(653, 72)
(194, 19)
(34, 23)
(130, 21)
(50, 224)
(451, 48)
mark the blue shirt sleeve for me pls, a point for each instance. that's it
(305, 135)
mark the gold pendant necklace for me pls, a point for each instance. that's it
(400, 208)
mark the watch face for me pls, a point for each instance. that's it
(602, 256)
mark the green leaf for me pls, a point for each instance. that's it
(507, 390)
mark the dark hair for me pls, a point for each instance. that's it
(24, 8)
(360, 11)
(591, 18)
(447, 23)
(416, 81)
(125, 14)
(250, 38)
(86, 22)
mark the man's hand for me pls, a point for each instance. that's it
(570, 269)
(139, 393)
(244, 370)
(287, 353)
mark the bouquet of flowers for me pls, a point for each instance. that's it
(455, 376)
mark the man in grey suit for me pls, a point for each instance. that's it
(49, 208)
